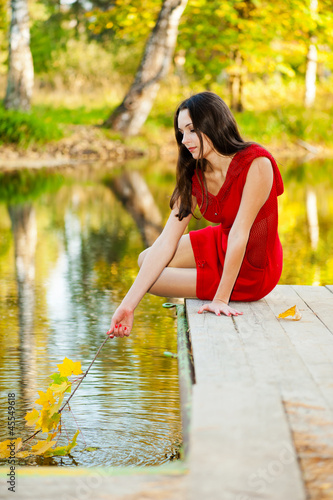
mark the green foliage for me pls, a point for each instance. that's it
(48, 40)
(22, 186)
(24, 128)
(290, 122)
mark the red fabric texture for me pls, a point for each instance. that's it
(262, 264)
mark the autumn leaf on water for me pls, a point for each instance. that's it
(293, 312)
(63, 450)
(69, 367)
(41, 447)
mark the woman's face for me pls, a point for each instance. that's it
(190, 137)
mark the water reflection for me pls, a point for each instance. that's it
(68, 251)
(62, 291)
(24, 229)
(132, 190)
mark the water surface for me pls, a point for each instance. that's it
(68, 249)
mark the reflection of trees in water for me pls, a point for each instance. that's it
(312, 216)
(133, 192)
(305, 221)
(24, 228)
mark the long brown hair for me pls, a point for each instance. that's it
(210, 116)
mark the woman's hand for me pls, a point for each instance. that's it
(218, 307)
(121, 322)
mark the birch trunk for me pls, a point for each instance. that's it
(236, 77)
(131, 114)
(311, 65)
(21, 71)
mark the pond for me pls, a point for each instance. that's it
(69, 241)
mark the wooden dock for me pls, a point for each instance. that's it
(262, 402)
(257, 410)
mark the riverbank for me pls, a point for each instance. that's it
(88, 143)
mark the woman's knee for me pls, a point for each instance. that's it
(142, 257)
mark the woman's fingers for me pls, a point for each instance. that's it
(119, 330)
(218, 308)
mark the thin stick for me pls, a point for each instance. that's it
(78, 385)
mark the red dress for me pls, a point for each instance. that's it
(262, 264)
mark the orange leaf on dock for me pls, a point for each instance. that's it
(293, 312)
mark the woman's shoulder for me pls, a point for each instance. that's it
(255, 150)
(250, 153)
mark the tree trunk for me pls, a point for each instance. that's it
(21, 71)
(236, 75)
(133, 192)
(131, 114)
(311, 65)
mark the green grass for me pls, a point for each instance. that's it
(287, 123)
(280, 123)
(25, 129)
(81, 115)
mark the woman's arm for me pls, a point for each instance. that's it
(255, 193)
(159, 256)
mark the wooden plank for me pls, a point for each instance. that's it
(309, 414)
(320, 301)
(241, 446)
(311, 338)
(330, 288)
(217, 351)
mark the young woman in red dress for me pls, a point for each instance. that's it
(235, 184)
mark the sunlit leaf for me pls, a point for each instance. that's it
(23, 454)
(55, 408)
(41, 447)
(73, 443)
(45, 421)
(32, 417)
(60, 387)
(7, 446)
(293, 312)
(69, 367)
(58, 379)
(45, 398)
(63, 450)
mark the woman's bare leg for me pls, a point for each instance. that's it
(179, 278)
(175, 282)
(183, 257)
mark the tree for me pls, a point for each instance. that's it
(21, 70)
(131, 114)
(311, 63)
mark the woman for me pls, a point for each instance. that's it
(234, 183)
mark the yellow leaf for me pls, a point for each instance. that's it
(45, 422)
(293, 311)
(69, 367)
(55, 408)
(73, 443)
(45, 398)
(59, 387)
(32, 417)
(9, 445)
(41, 447)
(23, 454)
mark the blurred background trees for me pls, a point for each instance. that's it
(256, 54)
